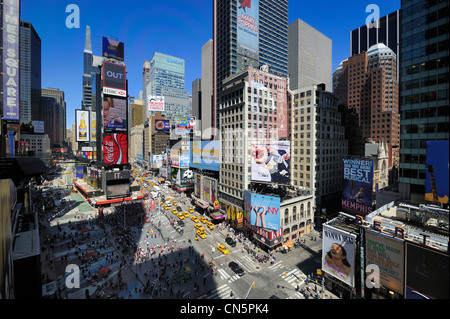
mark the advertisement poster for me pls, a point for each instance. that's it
(11, 55)
(93, 125)
(388, 254)
(271, 162)
(263, 211)
(357, 188)
(162, 125)
(114, 114)
(185, 126)
(248, 28)
(82, 119)
(157, 161)
(205, 155)
(113, 49)
(185, 177)
(38, 127)
(206, 190)
(156, 103)
(437, 171)
(79, 171)
(338, 254)
(115, 149)
(114, 79)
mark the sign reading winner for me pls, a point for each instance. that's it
(357, 186)
(114, 79)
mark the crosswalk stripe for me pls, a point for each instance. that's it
(222, 292)
(224, 274)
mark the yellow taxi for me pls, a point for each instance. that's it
(166, 207)
(185, 214)
(191, 210)
(203, 220)
(195, 219)
(223, 249)
(180, 216)
(169, 199)
(201, 234)
(161, 202)
(199, 227)
(174, 211)
(174, 203)
(210, 225)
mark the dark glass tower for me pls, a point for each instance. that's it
(424, 104)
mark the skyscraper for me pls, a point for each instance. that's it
(424, 97)
(310, 56)
(30, 73)
(167, 79)
(88, 72)
(58, 95)
(250, 33)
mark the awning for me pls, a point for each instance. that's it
(217, 216)
(201, 203)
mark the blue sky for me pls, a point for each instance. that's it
(179, 28)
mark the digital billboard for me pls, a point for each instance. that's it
(156, 161)
(114, 114)
(93, 126)
(357, 188)
(82, 119)
(248, 28)
(185, 126)
(263, 211)
(156, 103)
(79, 171)
(338, 254)
(11, 55)
(205, 155)
(162, 125)
(114, 79)
(113, 49)
(271, 162)
(388, 254)
(437, 172)
(115, 149)
(185, 177)
(117, 190)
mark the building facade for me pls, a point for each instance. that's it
(310, 56)
(58, 95)
(424, 97)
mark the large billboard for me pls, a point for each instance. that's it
(156, 161)
(388, 254)
(263, 211)
(437, 171)
(185, 177)
(185, 126)
(248, 28)
(39, 127)
(114, 114)
(115, 149)
(357, 188)
(10, 46)
(338, 254)
(156, 103)
(82, 119)
(113, 49)
(426, 273)
(162, 125)
(93, 126)
(205, 155)
(114, 79)
(271, 162)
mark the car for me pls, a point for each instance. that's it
(175, 203)
(210, 225)
(186, 214)
(180, 216)
(195, 219)
(181, 223)
(166, 207)
(191, 210)
(199, 227)
(201, 234)
(169, 199)
(236, 268)
(203, 220)
(179, 209)
(230, 242)
(174, 211)
(223, 249)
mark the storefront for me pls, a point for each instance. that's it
(265, 238)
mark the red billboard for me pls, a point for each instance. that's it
(115, 149)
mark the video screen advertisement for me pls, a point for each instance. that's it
(113, 49)
(115, 149)
(357, 188)
(271, 162)
(82, 119)
(426, 273)
(162, 125)
(338, 254)
(205, 155)
(263, 211)
(114, 79)
(437, 171)
(185, 126)
(11, 55)
(114, 114)
(388, 254)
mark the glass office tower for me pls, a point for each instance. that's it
(424, 103)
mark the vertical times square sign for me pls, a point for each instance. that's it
(11, 27)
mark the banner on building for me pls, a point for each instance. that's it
(271, 162)
(437, 172)
(357, 188)
(115, 149)
(263, 211)
(156, 103)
